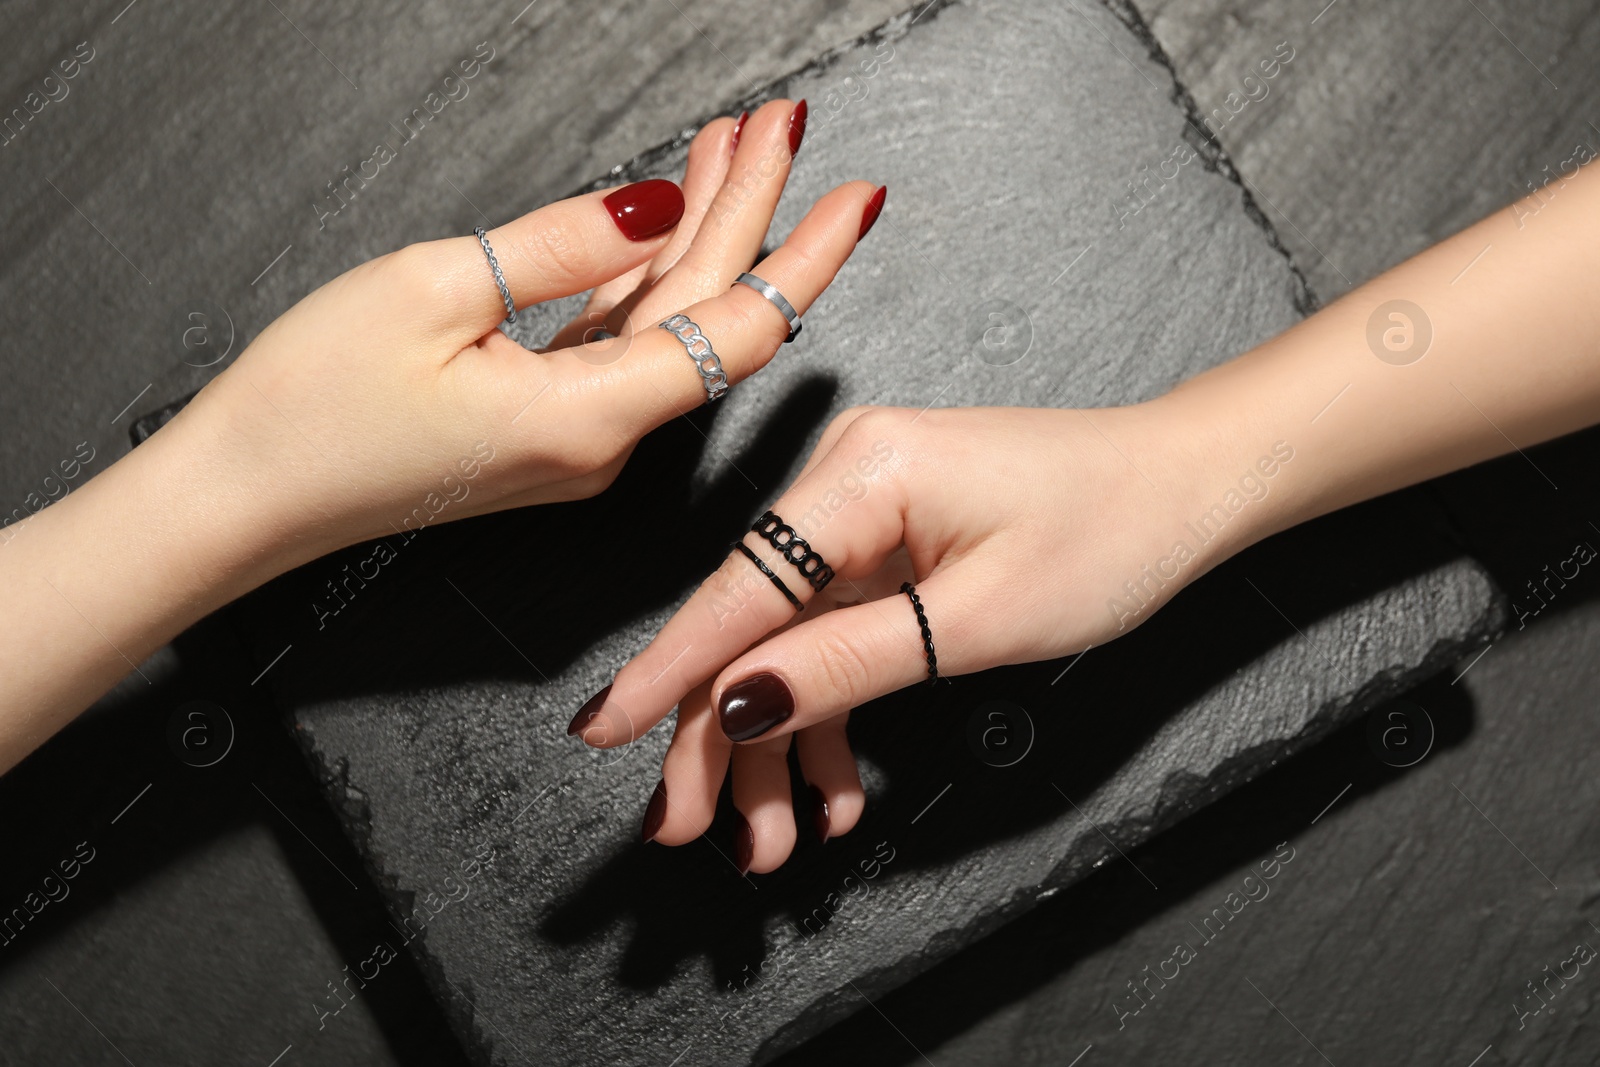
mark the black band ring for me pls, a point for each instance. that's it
(773, 578)
(781, 536)
(927, 635)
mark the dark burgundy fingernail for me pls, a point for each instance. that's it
(874, 209)
(586, 714)
(654, 814)
(819, 813)
(797, 128)
(738, 128)
(744, 843)
(644, 209)
(752, 707)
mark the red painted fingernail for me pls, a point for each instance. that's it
(654, 814)
(874, 209)
(819, 814)
(586, 714)
(644, 209)
(797, 128)
(744, 843)
(750, 708)
(738, 128)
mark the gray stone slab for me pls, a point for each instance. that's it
(1393, 126)
(436, 701)
(1406, 928)
(163, 178)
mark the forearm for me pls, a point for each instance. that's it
(97, 582)
(1511, 363)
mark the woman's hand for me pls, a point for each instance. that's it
(388, 400)
(388, 395)
(1030, 534)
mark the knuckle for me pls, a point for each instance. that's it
(557, 251)
(417, 274)
(848, 416)
(843, 669)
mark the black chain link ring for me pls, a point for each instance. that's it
(781, 536)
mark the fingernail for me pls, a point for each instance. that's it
(586, 714)
(744, 843)
(819, 813)
(644, 209)
(752, 707)
(654, 814)
(874, 209)
(797, 128)
(738, 128)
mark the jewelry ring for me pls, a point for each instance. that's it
(781, 536)
(927, 635)
(706, 361)
(777, 300)
(499, 276)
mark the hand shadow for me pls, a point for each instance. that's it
(923, 744)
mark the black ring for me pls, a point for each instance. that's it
(773, 578)
(781, 536)
(927, 635)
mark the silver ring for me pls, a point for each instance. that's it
(785, 308)
(499, 278)
(706, 361)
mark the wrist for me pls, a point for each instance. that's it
(1229, 478)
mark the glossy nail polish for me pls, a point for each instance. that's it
(819, 813)
(750, 708)
(645, 209)
(744, 843)
(655, 813)
(873, 210)
(738, 128)
(797, 128)
(586, 714)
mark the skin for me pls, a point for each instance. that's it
(355, 405)
(1512, 362)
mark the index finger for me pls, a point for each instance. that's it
(740, 604)
(657, 379)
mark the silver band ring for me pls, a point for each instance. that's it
(706, 361)
(774, 297)
(499, 277)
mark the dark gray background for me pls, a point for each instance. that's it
(192, 146)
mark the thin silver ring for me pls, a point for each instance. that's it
(777, 300)
(499, 277)
(706, 360)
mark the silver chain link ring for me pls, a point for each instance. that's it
(706, 361)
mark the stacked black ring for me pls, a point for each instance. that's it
(781, 536)
(927, 634)
(773, 578)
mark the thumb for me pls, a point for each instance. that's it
(849, 656)
(562, 248)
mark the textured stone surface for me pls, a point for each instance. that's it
(1405, 928)
(1393, 126)
(446, 738)
(1417, 924)
(194, 143)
